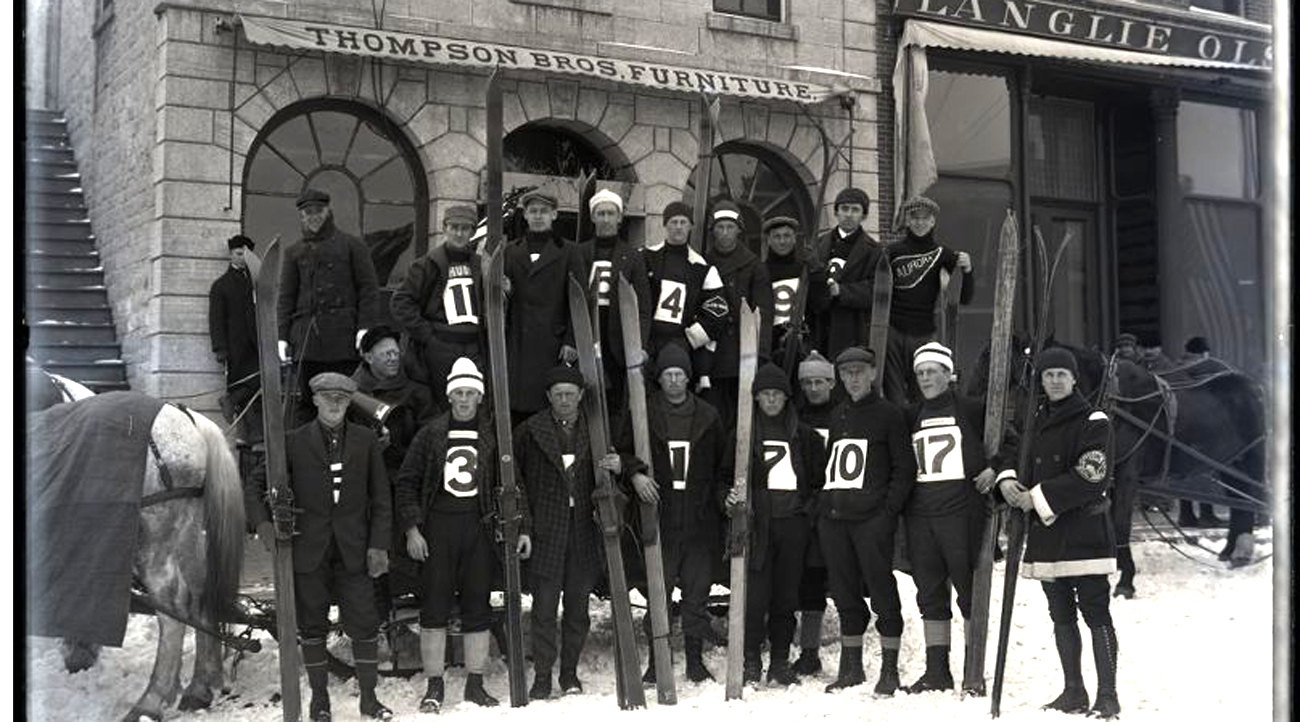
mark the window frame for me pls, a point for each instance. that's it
(782, 12)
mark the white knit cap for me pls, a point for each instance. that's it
(464, 374)
(605, 195)
(933, 352)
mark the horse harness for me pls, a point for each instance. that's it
(170, 490)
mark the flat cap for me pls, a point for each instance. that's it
(537, 194)
(920, 202)
(330, 381)
(856, 354)
(563, 374)
(779, 221)
(377, 334)
(464, 214)
(312, 195)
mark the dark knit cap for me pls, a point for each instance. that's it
(377, 334)
(856, 354)
(770, 376)
(564, 374)
(673, 356)
(1197, 344)
(312, 195)
(852, 195)
(678, 208)
(239, 241)
(1057, 358)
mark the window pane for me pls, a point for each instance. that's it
(334, 132)
(765, 9)
(369, 150)
(1217, 150)
(269, 172)
(294, 141)
(970, 123)
(389, 182)
(344, 200)
(266, 216)
(1062, 149)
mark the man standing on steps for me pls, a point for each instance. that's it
(945, 512)
(1071, 543)
(816, 381)
(232, 328)
(605, 257)
(917, 260)
(743, 277)
(439, 304)
(850, 256)
(537, 269)
(786, 260)
(788, 461)
(447, 492)
(870, 472)
(688, 446)
(337, 474)
(689, 304)
(329, 295)
(553, 460)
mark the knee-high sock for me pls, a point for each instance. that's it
(433, 650)
(476, 652)
(365, 654)
(810, 629)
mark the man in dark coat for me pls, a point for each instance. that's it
(688, 446)
(743, 277)
(606, 256)
(1071, 542)
(787, 462)
(850, 256)
(816, 382)
(553, 458)
(788, 266)
(447, 492)
(232, 328)
(329, 294)
(439, 304)
(537, 269)
(336, 471)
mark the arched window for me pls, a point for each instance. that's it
(758, 181)
(371, 171)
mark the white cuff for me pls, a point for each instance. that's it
(696, 335)
(1005, 475)
(1041, 506)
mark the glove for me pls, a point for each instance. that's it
(284, 351)
(377, 562)
(361, 332)
(703, 383)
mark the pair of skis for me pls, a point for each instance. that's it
(738, 533)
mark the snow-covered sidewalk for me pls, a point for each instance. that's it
(1194, 645)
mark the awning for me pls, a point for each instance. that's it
(433, 50)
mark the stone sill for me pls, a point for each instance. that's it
(595, 7)
(752, 26)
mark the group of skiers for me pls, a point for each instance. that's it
(836, 467)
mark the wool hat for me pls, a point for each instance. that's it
(330, 381)
(312, 195)
(673, 356)
(538, 194)
(239, 241)
(1197, 344)
(678, 208)
(464, 214)
(779, 221)
(726, 211)
(852, 195)
(464, 375)
(1057, 358)
(563, 374)
(916, 202)
(816, 366)
(1124, 338)
(770, 376)
(933, 352)
(377, 334)
(605, 195)
(856, 354)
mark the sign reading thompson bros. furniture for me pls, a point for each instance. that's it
(1143, 28)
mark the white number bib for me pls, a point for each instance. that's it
(602, 279)
(458, 301)
(679, 455)
(672, 302)
(460, 468)
(780, 470)
(938, 450)
(847, 467)
(783, 294)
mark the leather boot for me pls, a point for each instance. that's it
(887, 685)
(1105, 651)
(365, 655)
(695, 669)
(778, 671)
(937, 676)
(318, 677)
(1069, 647)
(752, 672)
(850, 673)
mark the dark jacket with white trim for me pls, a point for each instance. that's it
(1070, 532)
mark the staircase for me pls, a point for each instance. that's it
(72, 332)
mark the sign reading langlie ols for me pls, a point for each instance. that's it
(1142, 28)
(369, 42)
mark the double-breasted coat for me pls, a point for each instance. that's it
(537, 323)
(232, 324)
(328, 291)
(846, 318)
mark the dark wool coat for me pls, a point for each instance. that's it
(743, 276)
(885, 478)
(704, 308)
(419, 300)
(540, 468)
(363, 517)
(232, 323)
(846, 319)
(328, 291)
(413, 406)
(626, 260)
(537, 322)
(1070, 532)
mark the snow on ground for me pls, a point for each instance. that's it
(1195, 644)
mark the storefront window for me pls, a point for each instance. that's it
(970, 124)
(1217, 151)
(761, 9)
(760, 183)
(1062, 149)
(375, 183)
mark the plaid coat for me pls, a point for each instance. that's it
(540, 470)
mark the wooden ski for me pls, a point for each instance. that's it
(794, 327)
(660, 625)
(280, 494)
(628, 666)
(1004, 300)
(882, 291)
(738, 538)
(494, 295)
(709, 110)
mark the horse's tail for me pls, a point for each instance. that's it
(223, 522)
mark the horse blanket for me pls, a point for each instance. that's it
(86, 464)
